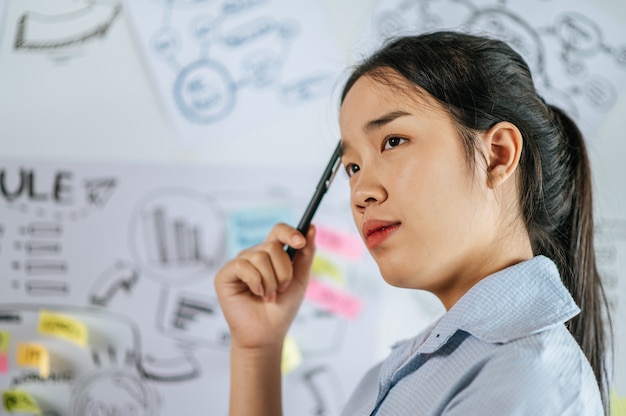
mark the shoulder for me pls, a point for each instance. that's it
(540, 374)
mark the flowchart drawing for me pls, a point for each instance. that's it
(214, 62)
(576, 54)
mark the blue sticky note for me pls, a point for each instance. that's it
(249, 227)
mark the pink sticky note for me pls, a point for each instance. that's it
(344, 244)
(333, 299)
(4, 364)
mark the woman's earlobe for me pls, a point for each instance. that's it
(503, 143)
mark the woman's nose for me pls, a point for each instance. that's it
(367, 190)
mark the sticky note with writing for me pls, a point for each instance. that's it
(341, 243)
(5, 337)
(19, 401)
(249, 227)
(34, 355)
(291, 355)
(52, 323)
(333, 299)
(325, 267)
(4, 363)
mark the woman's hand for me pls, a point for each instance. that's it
(261, 290)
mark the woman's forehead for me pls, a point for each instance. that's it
(373, 96)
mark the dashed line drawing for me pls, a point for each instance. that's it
(42, 248)
(568, 51)
(41, 32)
(47, 267)
(42, 230)
(46, 288)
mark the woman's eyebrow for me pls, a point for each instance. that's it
(381, 121)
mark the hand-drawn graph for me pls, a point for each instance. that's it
(192, 318)
(175, 234)
(576, 54)
(216, 59)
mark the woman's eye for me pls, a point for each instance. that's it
(352, 168)
(393, 142)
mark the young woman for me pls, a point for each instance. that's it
(465, 183)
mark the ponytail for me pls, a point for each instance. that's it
(571, 244)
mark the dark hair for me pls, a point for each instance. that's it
(482, 81)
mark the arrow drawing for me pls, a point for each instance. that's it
(121, 276)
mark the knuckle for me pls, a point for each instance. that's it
(258, 256)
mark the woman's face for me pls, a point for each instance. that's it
(425, 216)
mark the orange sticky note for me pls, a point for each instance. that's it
(19, 401)
(34, 355)
(333, 299)
(62, 326)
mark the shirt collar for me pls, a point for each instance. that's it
(515, 302)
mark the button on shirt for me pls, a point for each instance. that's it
(502, 349)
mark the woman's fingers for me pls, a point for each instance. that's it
(267, 268)
(246, 272)
(271, 267)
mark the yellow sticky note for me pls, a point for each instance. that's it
(618, 404)
(51, 323)
(291, 355)
(5, 337)
(19, 401)
(324, 267)
(34, 355)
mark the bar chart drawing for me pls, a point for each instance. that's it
(192, 318)
(177, 234)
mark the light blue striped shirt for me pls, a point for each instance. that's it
(502, 349)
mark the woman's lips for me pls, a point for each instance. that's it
(376, 232)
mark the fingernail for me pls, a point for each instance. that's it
(271, 297)
(283, 286)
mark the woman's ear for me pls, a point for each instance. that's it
(503, 145)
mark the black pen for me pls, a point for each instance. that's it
(322, 187)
